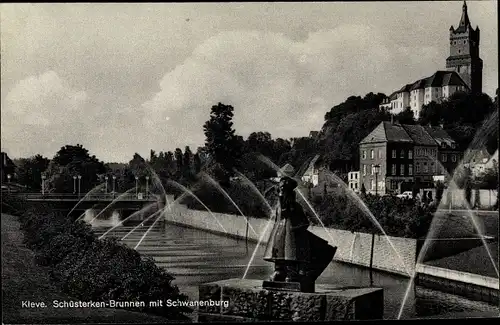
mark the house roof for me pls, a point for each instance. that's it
(419, 135)
(438, 79)
(439, 135)
(387, 132)
(416, 134)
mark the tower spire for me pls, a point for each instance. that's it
(464, 20)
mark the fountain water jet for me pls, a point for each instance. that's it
(367, 212)
(129, 217)
(159, 211)
(182, 187)
(86, 195)
(214, 183)
(149, 229)
(256, 190)
(115, 200)
(261, 237)
(486, 130)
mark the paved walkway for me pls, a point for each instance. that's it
(23, 280)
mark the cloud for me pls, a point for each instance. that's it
(273, 82)
(37, 113)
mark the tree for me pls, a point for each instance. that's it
(179, 159)
(197, 163)
(221, 140)
(405, 117)
(439, 191)
(71, 161)
(188, 160)
(29, 171)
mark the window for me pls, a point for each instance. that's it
(417, 166)
(453, 146)
(373, 169)
(401, 154)
(393, 153)
(443, 145)
(364, 154)
(379, 154)
(393, 171)
(372, 154)
(372, 183)
(402, 170)
(426, 168)
(453, 158)
(443, 157)
(364, 169)
(410, 169)
(433, 168)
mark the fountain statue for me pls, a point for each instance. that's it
(298, 255)
(299, 258)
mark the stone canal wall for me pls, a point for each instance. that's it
(391, 254)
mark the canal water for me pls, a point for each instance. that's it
(195, 256)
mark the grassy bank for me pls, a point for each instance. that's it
(24, 280)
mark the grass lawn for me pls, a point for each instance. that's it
(23, 280)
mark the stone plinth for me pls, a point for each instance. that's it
(248, 301)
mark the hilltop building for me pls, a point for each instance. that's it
(464, 73)
(405, 154)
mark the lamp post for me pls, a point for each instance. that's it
(136, 188)
(43, 184)
(79, 183)
(8, 181)
(114, 182)
(377, 170)
(74, 184)
(147, 186)
(106, 187)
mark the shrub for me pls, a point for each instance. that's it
(397, 217)
(90, 269)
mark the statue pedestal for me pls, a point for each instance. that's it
(248, 301)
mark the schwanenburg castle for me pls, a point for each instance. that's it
(464, 72)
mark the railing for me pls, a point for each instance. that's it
(86, 197)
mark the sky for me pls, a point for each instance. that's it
(129, 77)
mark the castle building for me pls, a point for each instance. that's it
(464, 53)
(464, 73)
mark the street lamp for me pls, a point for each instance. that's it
(114, 181)
(377, 170)
(79, 183)
(43, 184)
(136, 188)
(74, 184)
(147, 186)
(8, 181)
(106, 189)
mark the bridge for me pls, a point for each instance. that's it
(98, 201)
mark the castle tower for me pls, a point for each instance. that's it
(464, 53)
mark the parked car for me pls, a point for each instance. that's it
(405, 195)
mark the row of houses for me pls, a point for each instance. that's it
(395, 156)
